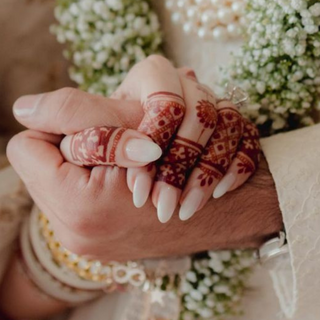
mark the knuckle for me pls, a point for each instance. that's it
(66, 92)
(67, 108)
(158, 61)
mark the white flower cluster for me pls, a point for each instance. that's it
(214, 286)
(279, 64)
(105, 38)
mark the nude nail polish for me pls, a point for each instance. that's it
(224, 185)
(191, 204)
(141, 150)
(167, 203)
(27, 105)
(141, 189)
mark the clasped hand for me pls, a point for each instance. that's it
(179, 142)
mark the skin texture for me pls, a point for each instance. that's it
(19, 295)
(181, 153)
(223, 224)
(91, 210)
(109, 146)
(218, 155)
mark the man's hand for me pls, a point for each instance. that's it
(91, 211)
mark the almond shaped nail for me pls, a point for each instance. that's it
(191, 204)
(141, 150)
(224, 185)
(167, 203)
(141, 189)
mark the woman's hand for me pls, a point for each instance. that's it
(199, 138)
(91, 211)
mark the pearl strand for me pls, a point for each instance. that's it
(209, 19)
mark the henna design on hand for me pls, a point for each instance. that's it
(207, 114)
(164, 112)
(179, 162)
(250, 150)
(96, 146)
(222, 147)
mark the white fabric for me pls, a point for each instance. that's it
(294, 162)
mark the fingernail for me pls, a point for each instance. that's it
(224, 185)
(167, 203)
(141, 189)
(142, 150)
(191, 204)
(26, 106)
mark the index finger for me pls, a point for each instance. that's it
(160, 94)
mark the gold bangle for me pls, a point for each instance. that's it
(112, 274)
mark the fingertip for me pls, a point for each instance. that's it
(191, 204)
(65, 148)
(141, 189)
(224, 185)
(167, 203)
(144, 151)
(26, 106)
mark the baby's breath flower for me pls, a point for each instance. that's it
(279, 64)
(219, 293)
(105, 38)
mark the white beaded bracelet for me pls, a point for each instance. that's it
(46, 282)
(114, 274)
(44, 255)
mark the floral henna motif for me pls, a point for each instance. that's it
(178, 162)
(96, 146)
(249, 150)
(164, 112)
(222, 147)
(207, 114)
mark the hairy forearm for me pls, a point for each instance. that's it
(243, 218)
(20, 298)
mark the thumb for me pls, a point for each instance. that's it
(110, 146)
(68, 110)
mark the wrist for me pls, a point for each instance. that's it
(246, 217)
(263, 218)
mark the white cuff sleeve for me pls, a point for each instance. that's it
(294, 161)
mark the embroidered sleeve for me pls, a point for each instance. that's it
(294, 163)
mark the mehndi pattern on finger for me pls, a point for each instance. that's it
(179, 161)
(164, 112)
(96, 146)
(207, 114)
(249, 152)
(222, 147)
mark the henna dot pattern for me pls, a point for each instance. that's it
(164, 112)
(207, 114)
(222, 147)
